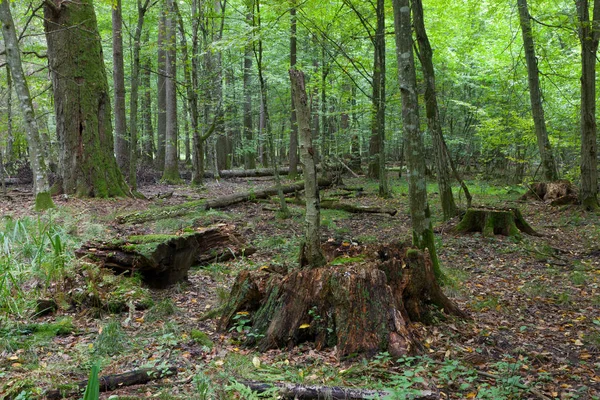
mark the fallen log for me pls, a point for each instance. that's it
(162, 260)
(247, 173)
(109, 383)
(308, 392)
(336, 205)
(200, 205)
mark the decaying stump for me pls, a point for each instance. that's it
(359, 308)
(556, 193)
(495, 221)
(162, 259)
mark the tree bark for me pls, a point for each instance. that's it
(415, 149)
(379, 96)
(249, 151)
(311, 251)
(171, 170)
(293, 157)
(87, 165)
(121, 139)
(142, 8)
(589, 33)
(535, 95)
(9, 117)
(41, 183)
(449, 208)
(161, 98)
(147, 138)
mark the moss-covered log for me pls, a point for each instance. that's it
(359, 308)
(200, 205)
(351, 208)
(495, 221)
(161, 259)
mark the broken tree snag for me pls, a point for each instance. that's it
(309, 392)
(556, 193)
(162, 260)
(112, 382)
(495, 221)
(363, 307)
(202, 205)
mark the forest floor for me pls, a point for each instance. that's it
(533, 332)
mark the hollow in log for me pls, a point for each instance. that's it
(495, 221)
(359, 308)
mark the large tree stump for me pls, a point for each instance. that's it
(495, 221)
(359, 308)
(162, 259)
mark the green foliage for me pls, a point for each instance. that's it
(92, 390)
(111, 339)
(201, 338)
(161, 311)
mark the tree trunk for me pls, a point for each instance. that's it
(134, 95)
(148, 130)
(268, 133)
(311, 254)
(171, 170)
(41, 183)
(121, 139)
(379, 96)
(433, 115)
(293, 157)
(87, 164)
(415, 149)
(198, 149)
(589, 33)
(535, 95)
(9, 117)
(249, 150)
(161, 100)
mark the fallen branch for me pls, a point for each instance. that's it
(247, 173)
(336, 205)
(112, 382)
(305, 392)
(200, 205)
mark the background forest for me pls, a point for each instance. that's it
(231, 49)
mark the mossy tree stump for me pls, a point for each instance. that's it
(162, 260)
(495, 221)
(359, 308)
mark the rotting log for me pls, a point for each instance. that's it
(351, 208)
(112, 382)
(162, 260)
(495, 221)
(309, 392)
(247, 173)
(555, 193)
(363, 307)
(201, 205)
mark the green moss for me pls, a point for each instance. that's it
(43, 201)
(347, 260)
(146, 244)
(201, 338)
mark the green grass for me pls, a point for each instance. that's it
(111, 339)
